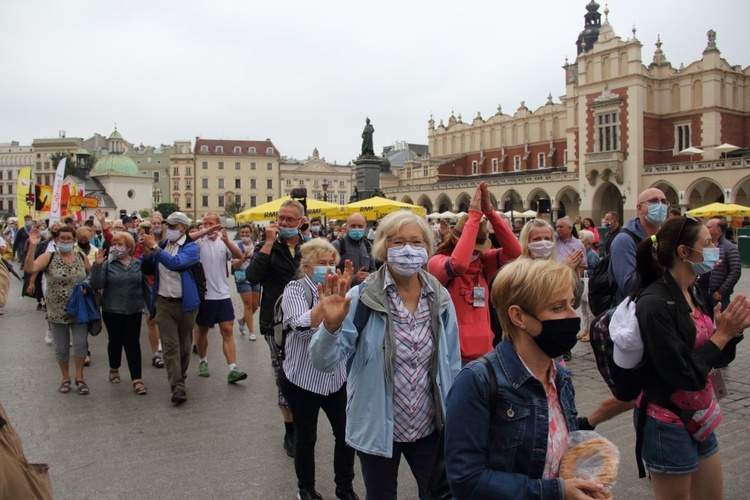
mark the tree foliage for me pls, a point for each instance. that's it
(166, 208)
(233, 208)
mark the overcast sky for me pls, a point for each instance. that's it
(305, 73)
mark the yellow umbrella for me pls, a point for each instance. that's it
(270, 210)
(712, 210)
(738, 210)
(376, 207)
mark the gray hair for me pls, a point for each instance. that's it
(566, 220)
(296, 204)
(391, 224)
(586, 236)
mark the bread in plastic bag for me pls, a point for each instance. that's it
(592, 457)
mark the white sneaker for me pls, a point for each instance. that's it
(252, 337)
(48, 338)
(241, 322)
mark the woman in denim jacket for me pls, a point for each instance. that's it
(516, 453)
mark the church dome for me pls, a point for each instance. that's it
(117, 164)
(592, 25)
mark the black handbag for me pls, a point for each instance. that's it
(438, 486)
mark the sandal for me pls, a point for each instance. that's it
(157, 362)
(114, 376)
(139, 388)
(87, 361)
(82, 388)
(64, 387)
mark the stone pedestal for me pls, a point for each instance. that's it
(367, 174)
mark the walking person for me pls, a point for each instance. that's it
(249, 292)
(174, 298)
(125, 294)
(63, 269)
(403, 358)
(306, 389)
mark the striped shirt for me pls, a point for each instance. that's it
(297, 365)
(565, 248)
(413, 405)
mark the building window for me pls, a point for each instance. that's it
(238, 184)
(237, 150)
(182, 149)
(221, 183)
(252, 201)
(565, 156)
(252, 184)
(204, 149)
(204, 165)
(682, 136)
(316, 182)
(269, 166)
(188, 184)
(176, 199)
(175, 185)
(517, 163)
(10, 188)
(269, 199)
(269, 151)
(204, 183)
(541, 160)
(204, 201)
(10, 205)
(342, 184)
(188, 202)
(219, 149)
(301, 182)
(494, 167)
(289, 182)
(474, 168)
(269, 183)
(157, 196)
(188, 171)
(2, 205)
(252, 165)
(342, 199)
(176, 171)
(251, 150)
(221, 165)
(156, 177)
(606, 132)
(237, 165)
(220, 200)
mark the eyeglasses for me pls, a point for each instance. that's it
(399, 243)
(682, 228)
(652, 201)
(290, 220)
(66, 240)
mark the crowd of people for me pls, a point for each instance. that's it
(399, 330)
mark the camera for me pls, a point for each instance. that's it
(298, 193)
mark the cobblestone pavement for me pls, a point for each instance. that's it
(225, 442)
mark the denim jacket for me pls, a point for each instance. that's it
(503, 458)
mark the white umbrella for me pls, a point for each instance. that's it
(726, 148)
(447, 215)
(528, 214)
(434, 215)
(460, 214)
(691, 151)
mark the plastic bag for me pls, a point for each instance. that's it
(592, 457)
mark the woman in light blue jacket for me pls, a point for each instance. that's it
(400, 334)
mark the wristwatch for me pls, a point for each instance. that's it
(155, 246)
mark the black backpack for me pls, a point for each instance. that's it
(602, 291)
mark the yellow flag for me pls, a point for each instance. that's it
(24, 188)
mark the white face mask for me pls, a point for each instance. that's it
(407, 261)
(541, 249)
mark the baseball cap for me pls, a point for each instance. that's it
(178, 218)
(626, 335)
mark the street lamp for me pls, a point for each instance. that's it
(325, 186)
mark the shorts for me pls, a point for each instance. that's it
(211, 312)
(245, 287)
(669, 448)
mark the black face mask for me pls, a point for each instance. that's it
(55, 234)
(558, 336)
(85, 247)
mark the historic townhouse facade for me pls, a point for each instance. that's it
(323, 181)
(13, 157)
(619, 128)
(229, 171)
(181, 186)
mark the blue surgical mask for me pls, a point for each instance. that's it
(657, 214)
(288, 232)
(315, 229)
(306, 237)
(157, 231)
(320, 272)
(65, 247)
(710, 258)
(356, 234)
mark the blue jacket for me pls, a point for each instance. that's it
(187, 256)
(369, 411)
(622, 260)
(513, 464)
(83, 308)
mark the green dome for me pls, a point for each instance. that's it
(115, 135)
(115, 164)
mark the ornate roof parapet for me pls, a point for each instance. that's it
(660, 59)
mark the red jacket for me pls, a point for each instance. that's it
(460, 275)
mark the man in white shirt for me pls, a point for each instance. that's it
(217, 307)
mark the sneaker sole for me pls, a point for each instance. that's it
(204, 374)
(241, 377)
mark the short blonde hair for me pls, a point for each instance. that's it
(531, 285)
(586, 236)
(390, 225)
(525, 237)
(125, 239)
(145, 224)
(84, 231)
(311, 251)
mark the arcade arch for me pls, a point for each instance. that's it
(462, 202)
(607, 198)
(702, 192)
(424, 201)
(669, 192)
(568, 202)
(443, 203)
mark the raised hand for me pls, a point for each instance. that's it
(100, 258)
(486, 201)
(333, 300)
(476, 200)
(99, 214)
(574, 260)
(34, 237)
(735, 317)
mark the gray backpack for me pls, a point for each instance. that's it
(279, 330)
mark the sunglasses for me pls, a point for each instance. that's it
(682, 228)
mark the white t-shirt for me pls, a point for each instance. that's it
(214, 257)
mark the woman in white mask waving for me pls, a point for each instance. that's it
(400, 334)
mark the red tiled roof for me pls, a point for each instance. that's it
(229, 145)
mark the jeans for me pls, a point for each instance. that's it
(124, 332)
(305, 406)
(380, 474)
